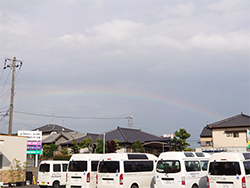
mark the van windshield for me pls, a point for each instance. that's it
(77, 166)
(44, 168)
(109, 166)
(224, 168)
(168, 166)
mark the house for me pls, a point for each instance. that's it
(11, 147)
(52, 133)
(229, 134)
(126, 137)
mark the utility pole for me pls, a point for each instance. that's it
(13, 64)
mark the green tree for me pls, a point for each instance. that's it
(137, 147)
(75, 148)
(48, 150)
(117, 144)
(65, 151)
(87, 143)
(99, 147)
(181, 136)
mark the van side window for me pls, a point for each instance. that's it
(65, 166)
(138, 166)
(44, 168)
(247, 167)
(192, 166)
(94, 165)
(56, 167)
(204, 165)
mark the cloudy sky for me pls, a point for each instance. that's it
(90, 64)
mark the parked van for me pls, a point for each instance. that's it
(229, 170)
(82, 170)
(52, 173)
(181, 169)
(126, 170)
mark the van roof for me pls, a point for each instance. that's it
(52, 162)
(128, 156)
(230, 156)
(179, 154)
(86, 156)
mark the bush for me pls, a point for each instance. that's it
(61, 157)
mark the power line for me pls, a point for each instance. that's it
(68, 117)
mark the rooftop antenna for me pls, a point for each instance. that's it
(130, 121)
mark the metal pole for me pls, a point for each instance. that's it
(12, 95)
(103, 143)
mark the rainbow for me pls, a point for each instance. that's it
(134, 95)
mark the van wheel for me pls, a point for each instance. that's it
(56, 185)
(134, 186)
(195, 186)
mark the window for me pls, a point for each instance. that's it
(236, 134)
(109, 166)
(65, 166)
(224, 168)
(198, 154)
(168, 166)
(44, 168)
(204, 165)
(1, 161)
(77, 166)
(94, 166)
(138, 166)
(208, 143)
(192, 166)
(189, 154)
(229, 134)
(57, 168)
(137, 156)
(247, 167)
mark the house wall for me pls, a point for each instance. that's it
(221, 139)
(14, 147)
(205, 140)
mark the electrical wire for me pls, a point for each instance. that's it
(68, 117)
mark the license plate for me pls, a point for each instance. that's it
(108, 182)
(43, 183)
(168, 182)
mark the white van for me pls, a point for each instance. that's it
(82, 170)
(126, 170)
(181, 169)
(229, 170)
(52, 173)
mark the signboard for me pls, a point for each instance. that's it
(34, 141)
(34, 152)
(31, 135)
(168, 136)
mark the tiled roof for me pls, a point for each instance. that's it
(124, 135)
(206, 132)
(67, 135)
(240, 120)
(52, 128)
